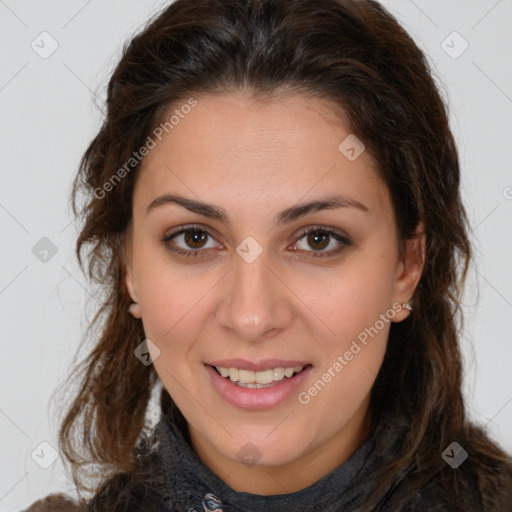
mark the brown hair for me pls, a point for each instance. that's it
(355, 55)
(55, 503)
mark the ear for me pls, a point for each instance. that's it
(127, 259)
(409, 270)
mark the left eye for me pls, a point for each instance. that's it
(321, 239)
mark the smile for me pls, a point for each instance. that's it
(264, 386)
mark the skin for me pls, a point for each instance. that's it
(254, 160)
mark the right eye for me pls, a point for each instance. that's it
(190, 241)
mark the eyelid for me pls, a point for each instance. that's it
(188, 227)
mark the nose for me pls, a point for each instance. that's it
(256, 304)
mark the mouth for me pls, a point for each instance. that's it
(257, 386)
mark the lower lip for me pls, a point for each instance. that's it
(256, 398)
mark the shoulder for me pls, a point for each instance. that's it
(471, 488)
(481, 481)
(435, 499)
(119, 494)
(56, 503)
(142, 489)
(125, 492)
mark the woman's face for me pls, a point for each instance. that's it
(245, 290)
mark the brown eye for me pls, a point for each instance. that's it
(191, 241)
(318, 240)
(195, 238)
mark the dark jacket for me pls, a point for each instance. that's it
(171, 478)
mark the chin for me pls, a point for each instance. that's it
(262, 446)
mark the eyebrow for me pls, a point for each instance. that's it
(286, 216)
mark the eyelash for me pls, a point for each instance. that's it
(200, 252)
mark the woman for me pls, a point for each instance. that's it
(272, 207)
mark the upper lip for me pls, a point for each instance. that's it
(264, 364)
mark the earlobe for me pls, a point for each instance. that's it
(134, 309)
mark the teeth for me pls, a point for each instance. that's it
(250, 379)
(223, 371)
(278, 373)
(252, 385)
(265, 377)
(245, 376)
(289, 372)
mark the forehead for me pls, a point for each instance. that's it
(274, 151)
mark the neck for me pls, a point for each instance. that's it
(291, 477)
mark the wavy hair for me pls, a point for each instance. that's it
(355, 55)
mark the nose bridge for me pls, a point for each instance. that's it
(255, 302)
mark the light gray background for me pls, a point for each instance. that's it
(47, 119)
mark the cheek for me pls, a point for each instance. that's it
(350, 297)
(346, 376)
(167, 291)
(167, 301)
(171, 316)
